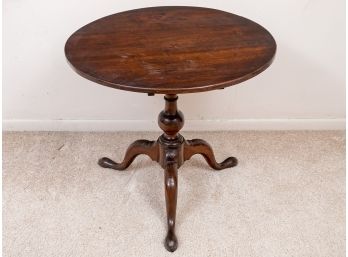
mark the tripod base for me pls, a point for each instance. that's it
(171, 150)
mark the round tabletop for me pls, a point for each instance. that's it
(170, 50)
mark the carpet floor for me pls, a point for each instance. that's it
(285, 198)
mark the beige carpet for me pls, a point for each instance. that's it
(285, 198)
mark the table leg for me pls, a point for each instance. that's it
(171, 191)
(149, 148)
(199, 146)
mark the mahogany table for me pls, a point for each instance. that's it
(170, 51)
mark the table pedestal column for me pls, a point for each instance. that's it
(171, 150)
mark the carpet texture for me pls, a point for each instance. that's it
(285, 198)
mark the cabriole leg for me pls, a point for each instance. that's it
(171, 191)
(199, 146)
(149, 148)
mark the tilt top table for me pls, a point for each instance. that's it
(170, 51)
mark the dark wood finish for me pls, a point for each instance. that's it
(147, 147)
(199, 146)
(170, 50)
(171, 192)
(170, 151)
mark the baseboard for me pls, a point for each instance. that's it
(190, 125)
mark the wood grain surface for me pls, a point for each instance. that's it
(170, 50)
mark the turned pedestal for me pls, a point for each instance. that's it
(171, 150)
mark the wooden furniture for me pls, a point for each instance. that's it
(170, 51)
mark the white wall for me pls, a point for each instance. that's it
(304, 88)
